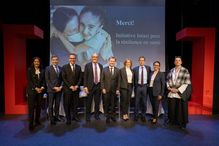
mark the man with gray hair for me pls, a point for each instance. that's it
(92, 73)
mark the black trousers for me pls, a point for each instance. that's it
(109, 104)
(95, 94)
(155, 102)
(125, 99)
(54, 98)
(34, 107)
(164, 102)
(177, 111)
(71, 104)
(141, 99)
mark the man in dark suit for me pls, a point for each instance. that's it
(54, 86)
(110, 88)
(141, 80)
(92, 73)
(71, 75)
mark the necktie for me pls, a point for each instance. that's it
(111, 70)
(95, 73)
(57, 69)
(142, 75)
(72, 67)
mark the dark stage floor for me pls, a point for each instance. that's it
(201, 131)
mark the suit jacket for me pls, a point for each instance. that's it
(136, 74)
(89, 76)
(124, 79)
(71, 78)
(52, 78)
(159, 84)
(108, 81)
(34, 81)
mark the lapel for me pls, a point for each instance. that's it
(70, 70)
(109, 72)
(124, 72)
(137, 72)
(157, 75)
(35, 75)
(92, 69)
(110, 75)
(53, 70)
(178, 80)
(100, 67)
(147, 70)
(171, 76)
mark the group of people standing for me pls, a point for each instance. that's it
(108, 82)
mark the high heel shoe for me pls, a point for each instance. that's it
(124, 118)
(154, 121)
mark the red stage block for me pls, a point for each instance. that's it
(203, 49)
(15, 65)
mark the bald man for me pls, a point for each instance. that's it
(92, 72)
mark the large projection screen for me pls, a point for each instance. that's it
(112, 29)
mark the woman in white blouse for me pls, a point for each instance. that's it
(126, 86)
(156, 89)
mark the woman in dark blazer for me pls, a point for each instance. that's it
(126, 86)
(35, 89)
(156, 89)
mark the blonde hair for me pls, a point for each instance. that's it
(126, 60)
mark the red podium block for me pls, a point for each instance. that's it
(14, 38)
(203, 49)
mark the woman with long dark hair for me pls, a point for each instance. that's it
(35, 89)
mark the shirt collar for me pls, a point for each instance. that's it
(72, 64)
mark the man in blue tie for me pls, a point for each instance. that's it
(54, 88)
(141, 80)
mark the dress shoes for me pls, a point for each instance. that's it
(107, 120)
(52, 122)
(31, 127)
(113, 119)
(97, 117)
(68, 123)
(76, 119)
(143, 119)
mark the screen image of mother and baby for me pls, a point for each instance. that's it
(120, 31)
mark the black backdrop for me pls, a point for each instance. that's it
(179, 14)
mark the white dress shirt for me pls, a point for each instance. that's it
(72, 66)
(56, 68)
(112, 69)
(152, 79)
(37, 72)
(129, 74)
